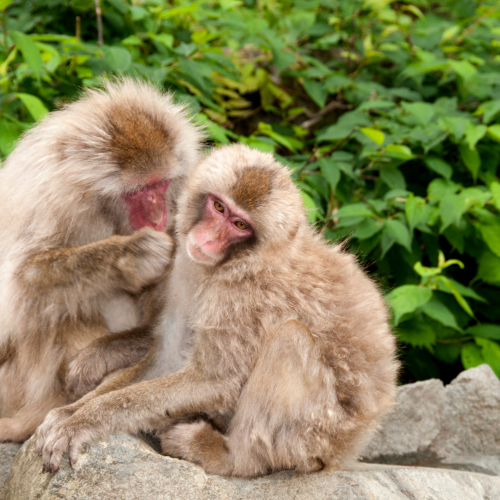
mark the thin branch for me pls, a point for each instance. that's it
(316, 117)
(78, 34)
(100, 37)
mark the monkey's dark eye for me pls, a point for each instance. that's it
(241, 225)
(219, 206)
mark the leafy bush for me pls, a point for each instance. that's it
(387, 112)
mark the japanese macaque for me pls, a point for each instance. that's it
(289, 361)
(85, 200)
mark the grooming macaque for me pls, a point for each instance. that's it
(85, 199)
(289, 359)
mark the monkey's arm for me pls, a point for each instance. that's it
(98, 269)
(105, 356)
(143, 406)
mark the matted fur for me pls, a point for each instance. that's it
(60, 189)
(289, 344)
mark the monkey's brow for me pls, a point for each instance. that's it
(252, 187)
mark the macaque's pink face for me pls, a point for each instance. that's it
(223, 224)
(148, 206)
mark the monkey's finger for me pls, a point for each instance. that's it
(60, 446)
(74, 450)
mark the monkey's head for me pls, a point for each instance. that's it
(237, 201)
(123, 148)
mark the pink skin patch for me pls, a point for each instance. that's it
(148, 206)
(207, 242)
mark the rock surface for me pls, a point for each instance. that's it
(127, 468)
(8, 452)
(454, 431)
(432, 422)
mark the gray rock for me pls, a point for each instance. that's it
(8, 453)
(412, 427)
(471, 416)
(126, 468)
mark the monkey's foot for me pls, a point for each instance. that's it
(63, 437)
(53, 418)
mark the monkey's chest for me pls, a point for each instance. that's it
(120, 312)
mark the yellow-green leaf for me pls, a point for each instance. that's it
(375, 135)
(35, 106)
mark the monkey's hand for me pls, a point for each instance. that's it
(146, 258)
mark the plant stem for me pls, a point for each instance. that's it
(98, 12)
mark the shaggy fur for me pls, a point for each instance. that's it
(289, 343)
(71, 271)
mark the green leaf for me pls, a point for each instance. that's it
(29, 50)
(316, 91)
(486, 331)
(414, 210)
(438, 311)
(494, 132)
(354, 210)
(448, 353)
(463, 68)
(393, 177)
(426, 271)
(417, 333)
(406, 299)
(331, 172)
(376, 104)
(463, 290)
(5, 3)
(491, 353)
(35, 106)
(439, 166)
(9, 133)
(367, 229)
(397, 230)
(344, 126)
(118, 58)
(451, 287)
(474, 133)
(311, 208)
(399, 152)
(375, 135)
(489, 110)
(471, 356)
(495, 191)
(423, 112)
(489, 268)
(491, 236)
(471, 159)
(182, 10)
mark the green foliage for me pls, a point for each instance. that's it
(388, 114)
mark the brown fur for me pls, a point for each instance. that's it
(251, 187)
(137, 141)
(289, 344)
(72, 271)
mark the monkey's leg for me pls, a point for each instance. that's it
(23, 424)
(278, 419)
(124, 263)
(105, 356)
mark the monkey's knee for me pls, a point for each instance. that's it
(294, 329)
(16, 431)
(200, 443)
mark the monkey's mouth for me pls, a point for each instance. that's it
(148, 206)
(198, 255)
